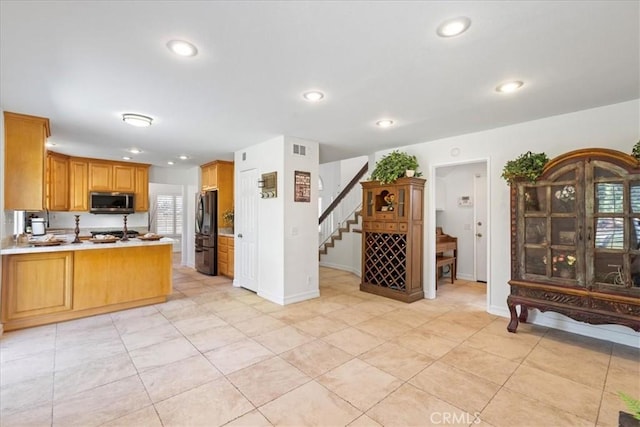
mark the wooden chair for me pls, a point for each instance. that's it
(441, 261)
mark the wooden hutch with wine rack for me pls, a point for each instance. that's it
(575, 245)
(392, 238)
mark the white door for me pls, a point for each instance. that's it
(246, 224)
(480, 216)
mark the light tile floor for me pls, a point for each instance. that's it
(218, 355)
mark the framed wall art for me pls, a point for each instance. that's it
(302, 186)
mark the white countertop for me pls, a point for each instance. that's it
(85, 245)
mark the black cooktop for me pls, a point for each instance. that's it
(116, 233)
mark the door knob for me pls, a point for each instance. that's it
(479, 234)
(240, 235)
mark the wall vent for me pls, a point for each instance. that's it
(300, 150)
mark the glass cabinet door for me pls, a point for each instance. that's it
(613, 250)
(551, 228)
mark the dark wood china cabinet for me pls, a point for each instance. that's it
(575, 240)
(392, 229)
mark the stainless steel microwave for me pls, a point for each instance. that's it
(111, 203)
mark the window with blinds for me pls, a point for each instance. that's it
(610, 201)
(168, 220)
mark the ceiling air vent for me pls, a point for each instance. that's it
(301, 150)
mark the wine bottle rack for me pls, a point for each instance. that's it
(392, 239)
(386, 258)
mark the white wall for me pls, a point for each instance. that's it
(287, 269)
(301, 225)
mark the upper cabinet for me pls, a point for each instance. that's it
(57, 182)
(576, 239)
(218, 175)
(112, 176)
(78, 185)
(24, 161)
(142, 188)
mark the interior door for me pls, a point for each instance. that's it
(480, 216)
(246, 228)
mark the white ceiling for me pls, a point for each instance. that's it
(83, 64)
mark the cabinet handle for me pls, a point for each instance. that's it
(580, 233)
(589, 233)
(240, 235)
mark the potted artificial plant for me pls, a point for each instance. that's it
(632, 419)
(228, 217)
(527, 166)
(636, 150)
(393, 166)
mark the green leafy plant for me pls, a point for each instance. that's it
(527, 166)
(228, 216)
(632, 404)
(636, 150)
(393, 166)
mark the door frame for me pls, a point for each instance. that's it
(429, 231)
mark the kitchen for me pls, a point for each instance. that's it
(88, 223)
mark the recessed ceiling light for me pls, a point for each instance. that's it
(170, 162)
(384, 123)
(453, 27)
(182, 48)
(50, 144)
(183, 157)
(509, 87)
(126, 158)
(313, 96)
(137, 120)
(135, 151)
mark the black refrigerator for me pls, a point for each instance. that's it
(207, 232)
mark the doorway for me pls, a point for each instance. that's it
(461, 210)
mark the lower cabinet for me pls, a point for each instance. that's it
(225, 256)
(36, 285)
(48, 287)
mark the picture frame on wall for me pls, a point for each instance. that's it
(302, 187)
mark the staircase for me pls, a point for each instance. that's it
(337, 235)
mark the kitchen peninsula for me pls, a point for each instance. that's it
(47, 284)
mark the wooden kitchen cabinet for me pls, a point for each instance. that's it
(218, 175)
(120, 177)
(112, 176)
(226, 247)
(78, 185)
(24, 161)
(106, 277)
(142, 189)
(231, 257)
(36, 285)
(392, 239)
(57, 182)
(575, 240)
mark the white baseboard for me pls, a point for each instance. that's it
(613, 333)
(302, 296)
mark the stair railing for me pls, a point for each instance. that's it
(342, 208)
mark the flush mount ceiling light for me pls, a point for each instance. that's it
(509, 87)
(313, 96)
(137, 120)
(182, 48)
(453, 27)
(135, 151)
(170, 163)
(384, 123)
(126, 158)
(50, 144)
(183, 157)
